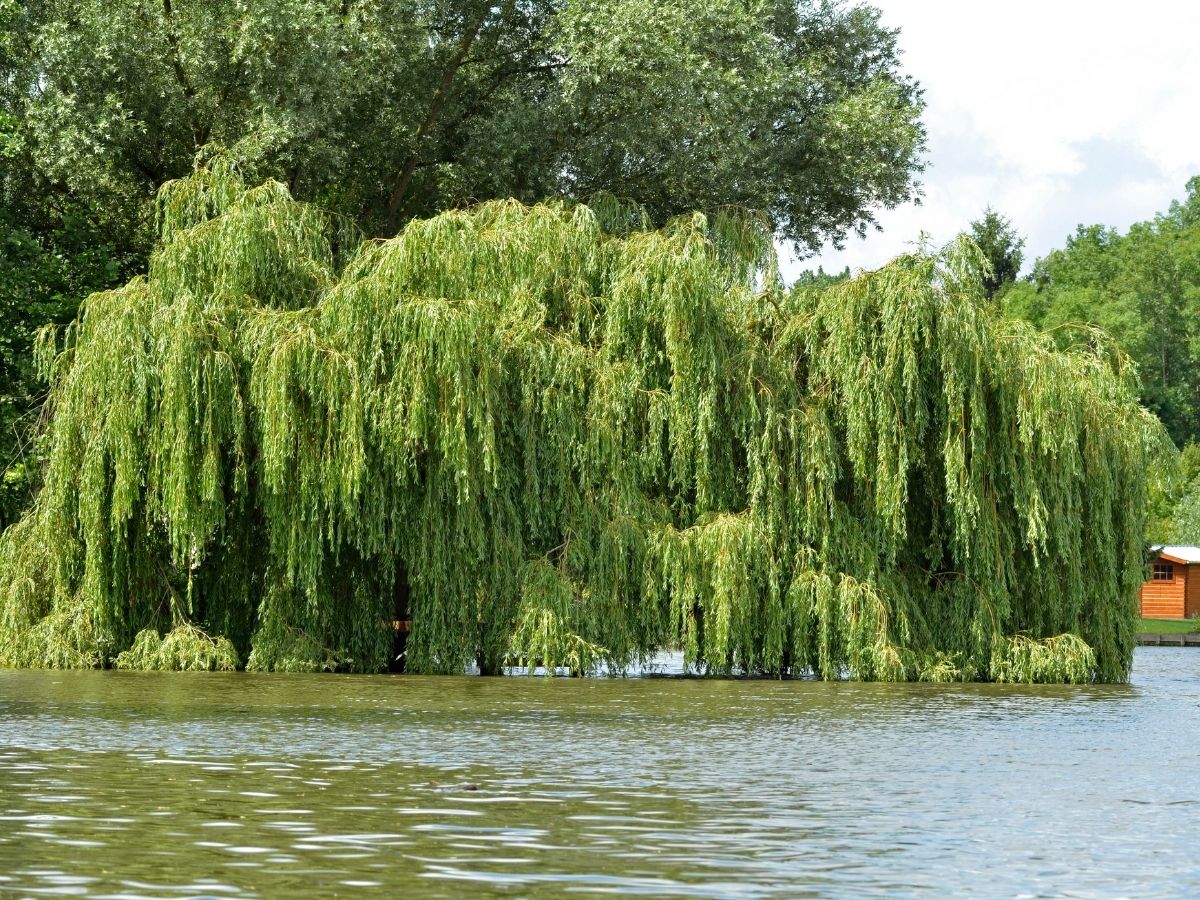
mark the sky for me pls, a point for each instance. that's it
(1054, 113)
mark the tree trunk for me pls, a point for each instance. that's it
(396, 201)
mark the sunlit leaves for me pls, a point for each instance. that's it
(552, 436)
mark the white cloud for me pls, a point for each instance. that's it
(1054, 113)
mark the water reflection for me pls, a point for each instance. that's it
(136, 785)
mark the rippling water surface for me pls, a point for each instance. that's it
(177, 785)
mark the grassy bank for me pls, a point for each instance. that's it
(1168, 626)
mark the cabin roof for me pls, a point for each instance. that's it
(1182, 555)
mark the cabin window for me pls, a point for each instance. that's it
(1164, 571)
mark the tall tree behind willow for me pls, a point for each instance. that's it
(555, 434)
(386, 111)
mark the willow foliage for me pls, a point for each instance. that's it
(550, 434)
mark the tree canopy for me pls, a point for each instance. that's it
(558, 434)
(1002, 247)
(386, 111)
(1143, 289)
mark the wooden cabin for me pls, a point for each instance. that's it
(1173, 591)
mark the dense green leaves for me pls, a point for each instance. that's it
(46, 267)
(1143, 289)
(552, 434)
(385, 111)
(1140, 290)
(1002, 247)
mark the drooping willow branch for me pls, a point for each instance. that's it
(556, 436)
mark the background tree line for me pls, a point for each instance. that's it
(1141, 288)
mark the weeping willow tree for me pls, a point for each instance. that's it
(553, 435)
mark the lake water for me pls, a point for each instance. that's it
(176, 785)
